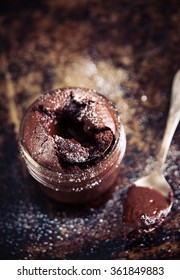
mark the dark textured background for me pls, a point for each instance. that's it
(128, 50)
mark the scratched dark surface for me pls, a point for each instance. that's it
(129, 51)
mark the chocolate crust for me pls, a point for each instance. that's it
(69, 129)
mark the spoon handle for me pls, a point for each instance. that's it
(172, 122)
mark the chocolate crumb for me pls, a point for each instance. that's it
(71, 150)
(104, 140)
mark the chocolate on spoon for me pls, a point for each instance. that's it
(149, 200)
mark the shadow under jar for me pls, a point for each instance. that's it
(72, 141)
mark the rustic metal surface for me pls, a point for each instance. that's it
(129, 51)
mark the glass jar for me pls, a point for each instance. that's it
(84, 185)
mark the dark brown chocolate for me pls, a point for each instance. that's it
(144, 208)
(69, 128)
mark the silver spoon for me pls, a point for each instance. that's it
(156, 178)
(150, 198)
